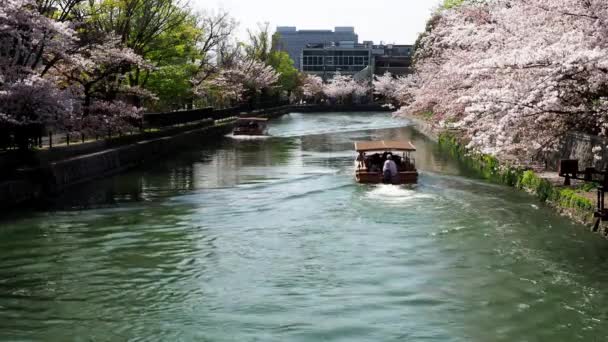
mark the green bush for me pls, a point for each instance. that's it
(490, 168)
(570, 198)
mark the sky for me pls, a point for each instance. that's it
(388, 21)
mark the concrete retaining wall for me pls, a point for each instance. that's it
(18, 192)
(63, 167)
(69, 172)
(84, 168)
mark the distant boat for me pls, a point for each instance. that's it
(251, 126)
(372, 155)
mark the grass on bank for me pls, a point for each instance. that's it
(577, 199)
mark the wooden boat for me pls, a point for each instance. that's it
(372, 155)
(250, 126)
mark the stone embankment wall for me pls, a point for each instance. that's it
(51, 171)
(34, 183)
(68, 172)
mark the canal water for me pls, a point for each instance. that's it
(271, 240)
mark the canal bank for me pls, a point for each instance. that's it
(576, 202)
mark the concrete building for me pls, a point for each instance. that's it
(359, 60)
(396, 59)
(346, 58)
(293, 41)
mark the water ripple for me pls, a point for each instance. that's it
(271, 240)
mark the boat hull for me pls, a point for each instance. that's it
(256, 134)
(249, 132)
(405, 177)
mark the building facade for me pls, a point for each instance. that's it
(396, 59)
(325, 61)
(358, 60)
(294, 41)
(326, 52)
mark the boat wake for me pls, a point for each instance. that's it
(335, 130)
(248, 137)
(394, 194)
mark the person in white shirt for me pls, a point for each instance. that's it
(389, 170)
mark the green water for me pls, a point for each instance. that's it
(271, 240)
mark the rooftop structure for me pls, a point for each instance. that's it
(384, 145)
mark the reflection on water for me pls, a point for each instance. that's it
(271, 240)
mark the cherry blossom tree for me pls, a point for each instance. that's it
(28, 40)
(385, 85)
(110, 117)
(28, 106)
(343, 89)
(96, 75)
(312, 87)
(394, 90)
(515, 76)
(244, 81)
(99, 70)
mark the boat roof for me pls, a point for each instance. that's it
(253, 119)
(384, 145)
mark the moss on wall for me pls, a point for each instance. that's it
(575, 200)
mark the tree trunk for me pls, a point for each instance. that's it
(87, 100)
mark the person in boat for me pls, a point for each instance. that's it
(398, 161)
(372, 162)
(361, 160)
(389, 169)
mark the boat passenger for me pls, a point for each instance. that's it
(375, 162)
(389, 170)
(398, 161)
(361, 160)
(383, 158)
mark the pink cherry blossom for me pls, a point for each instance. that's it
(312, 86)
(342, 88)
(246, 76)
(515, 76)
